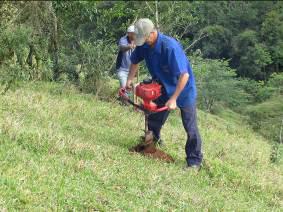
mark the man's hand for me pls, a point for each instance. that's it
(171, 104)
(183, 79)
(132, 72)
(129, 85)
(132, 46)
(127, 47)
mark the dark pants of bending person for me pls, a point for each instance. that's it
(189, 119)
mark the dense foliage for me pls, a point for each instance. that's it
(55, 34)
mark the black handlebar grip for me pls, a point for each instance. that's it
(147, 81)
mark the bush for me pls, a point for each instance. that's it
(275, 83)
(97, 61)
(217, 82)
(14, 51)
(13, 48)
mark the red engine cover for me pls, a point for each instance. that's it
(148, 92)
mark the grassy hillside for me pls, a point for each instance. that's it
(60, 150)
(267, 117)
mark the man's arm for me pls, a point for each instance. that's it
(125, 48)
(132, 73)
(183, 79)
(124, 45)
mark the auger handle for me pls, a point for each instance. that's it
(160, 109)
(122, 93)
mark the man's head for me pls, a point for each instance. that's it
(131, 32)
(145, 32)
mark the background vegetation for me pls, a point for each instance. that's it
(235, 48)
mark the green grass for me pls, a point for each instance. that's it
(62, 150)
(267, 117)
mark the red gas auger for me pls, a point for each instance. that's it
(148, 91)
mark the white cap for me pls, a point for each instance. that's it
(131, 28)
(143, 28)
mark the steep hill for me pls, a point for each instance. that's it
(60, 149)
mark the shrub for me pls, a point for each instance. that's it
(97, 61)
(217, 82)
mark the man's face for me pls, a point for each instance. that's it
(131, 36)
(150, 39)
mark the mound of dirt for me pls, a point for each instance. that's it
(148, 148)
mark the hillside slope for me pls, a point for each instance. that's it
(60, 149)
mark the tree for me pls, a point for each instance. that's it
(272, 34)
(250, 56)
(217, 82)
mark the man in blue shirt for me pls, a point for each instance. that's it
(168, 64)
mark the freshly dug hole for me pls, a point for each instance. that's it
(148, 148)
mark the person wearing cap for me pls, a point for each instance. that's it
(168, 64)
(126, 47)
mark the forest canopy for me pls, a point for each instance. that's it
(59, 34)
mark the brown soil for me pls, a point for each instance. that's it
(148, 148)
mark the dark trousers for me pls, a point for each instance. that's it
(189, 119)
